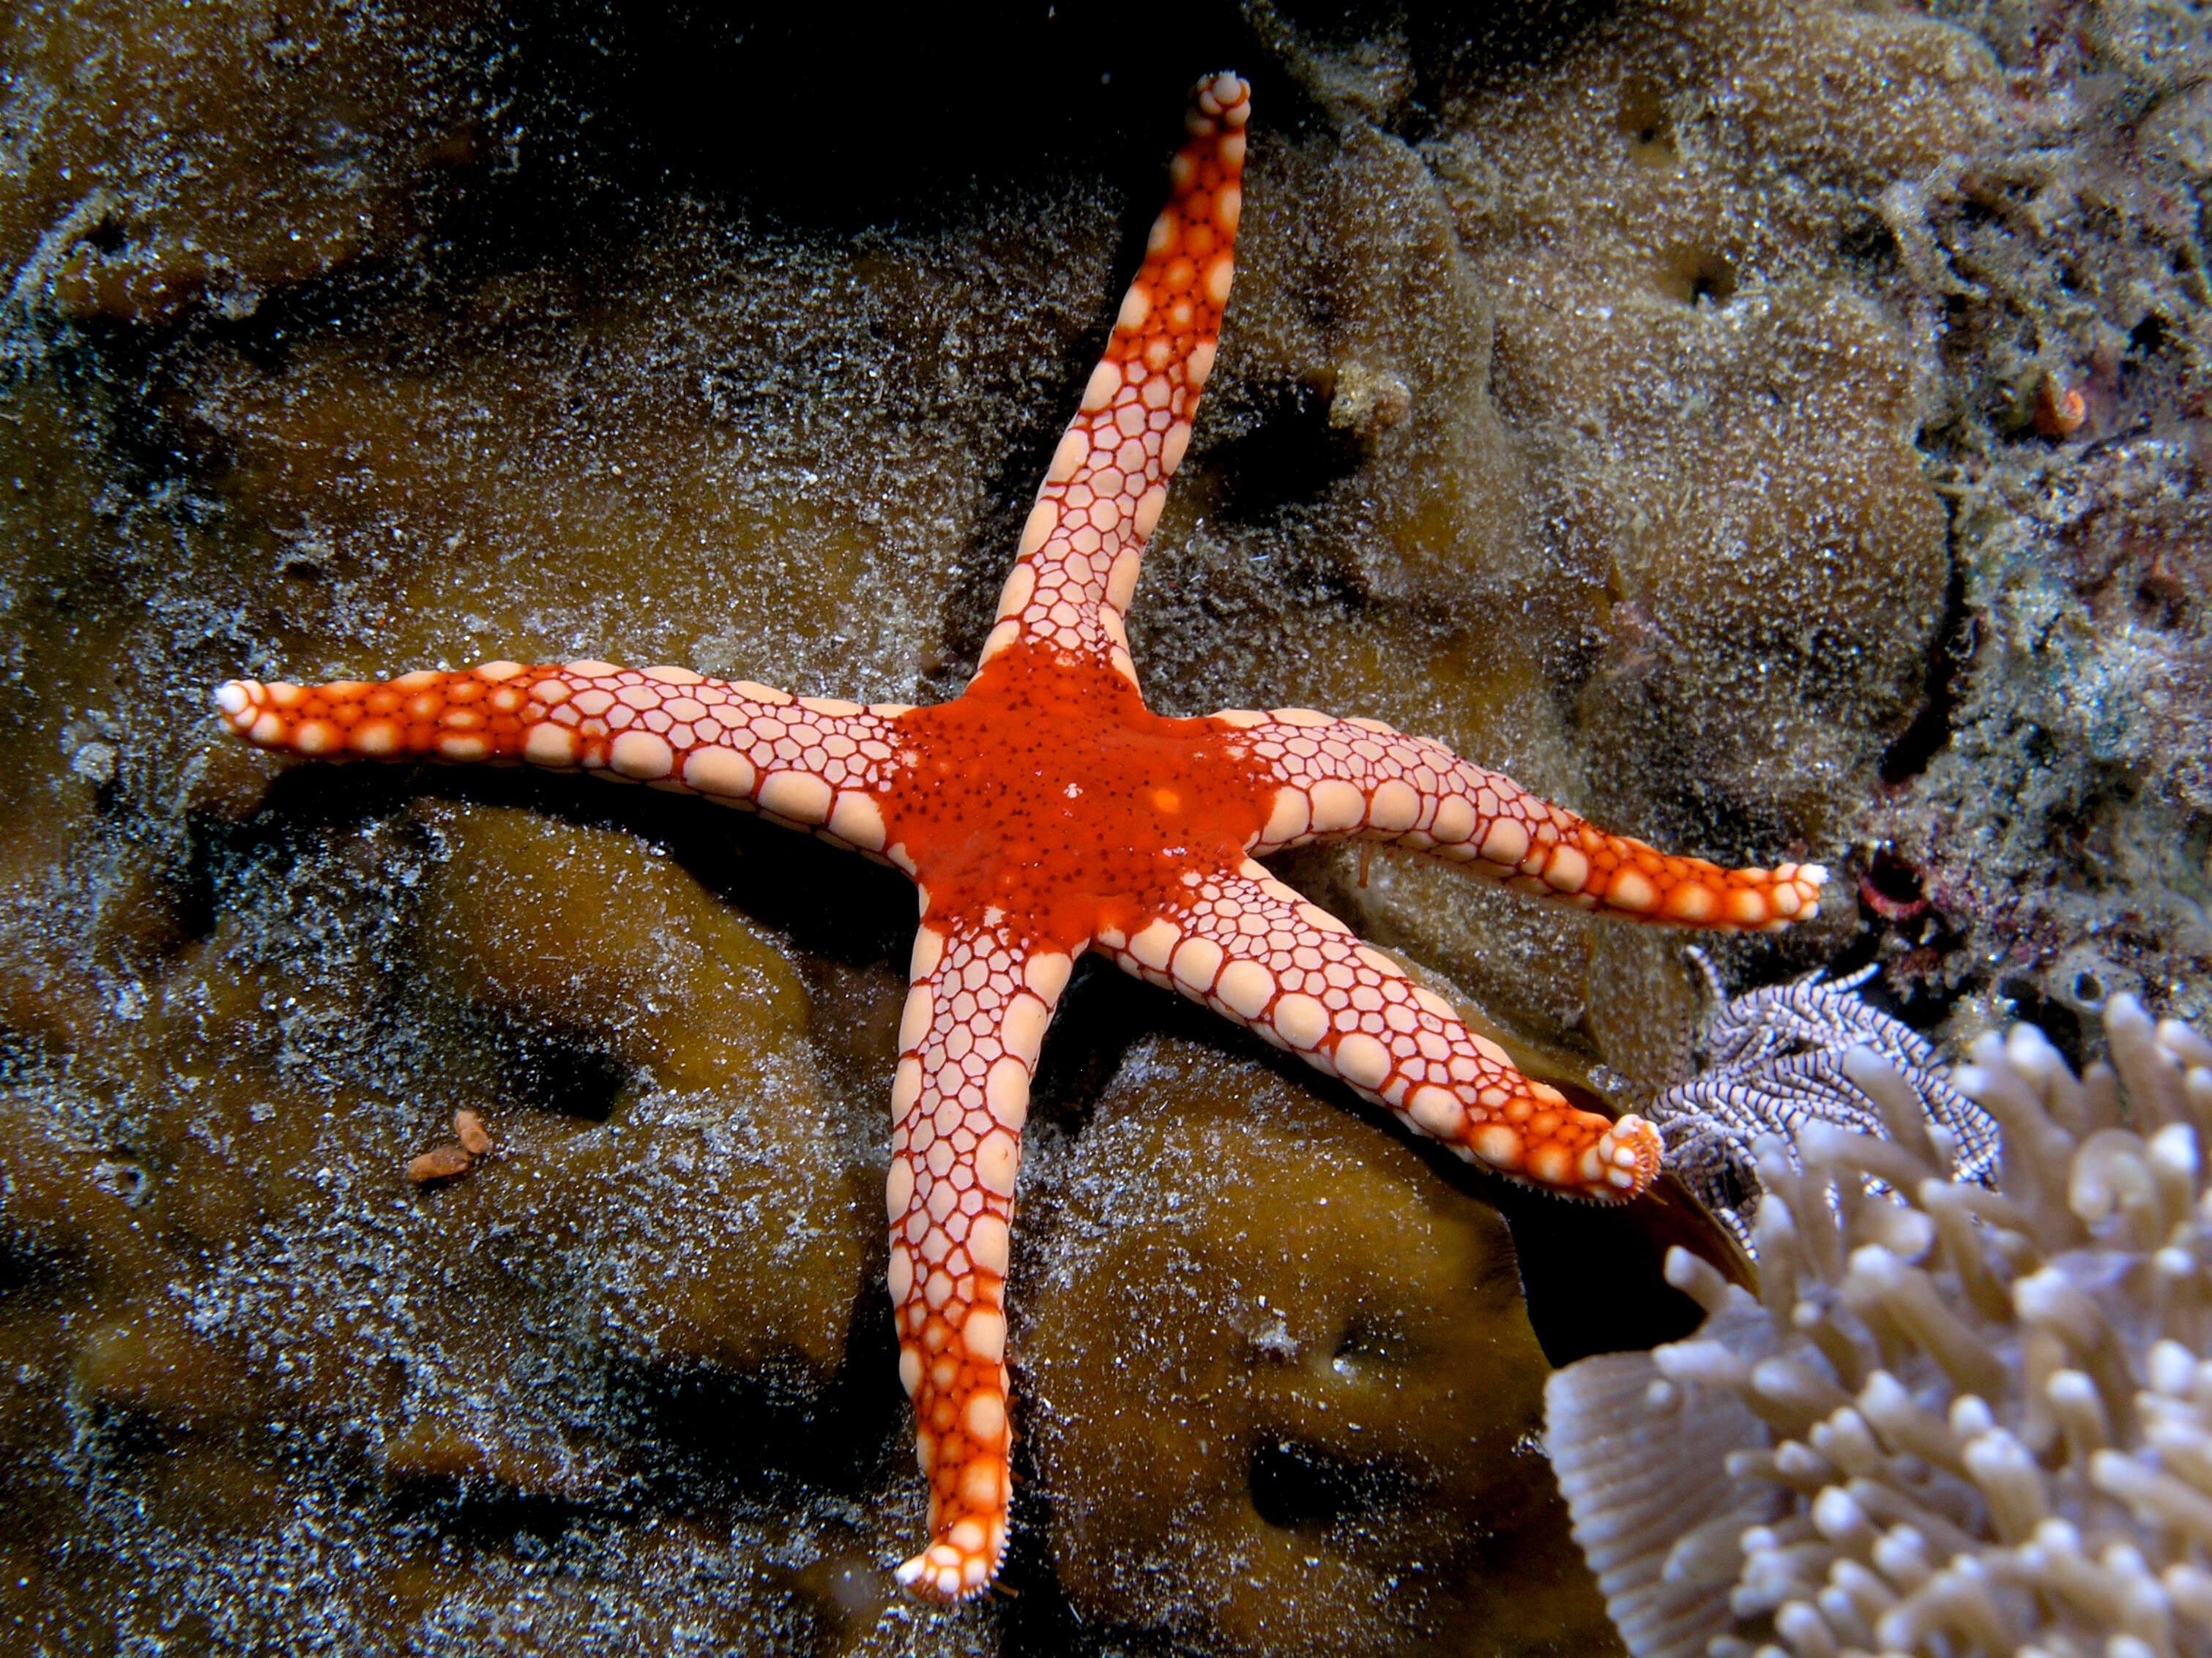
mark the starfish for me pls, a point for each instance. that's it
(1045, 811)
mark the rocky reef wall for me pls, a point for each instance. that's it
(1774, 430)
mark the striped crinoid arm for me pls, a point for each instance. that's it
(1076, 566)
(967, 1046)
(1359, 779)
(809, 762)
(1259, 954)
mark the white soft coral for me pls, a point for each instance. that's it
(1957, 1418)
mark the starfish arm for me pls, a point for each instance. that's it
(967, 1046)
(1359, 779)
(1077, 565)
(811, 762)
(1260, 954)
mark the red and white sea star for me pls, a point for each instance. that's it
(1046, 811)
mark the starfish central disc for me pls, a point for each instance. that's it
(1094, 808)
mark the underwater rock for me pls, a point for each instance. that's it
(2052, 807)
(165, 154)
(1566, 412)
(1722, 405)
(745, 450)
(1286, 1392)
(1640, 519)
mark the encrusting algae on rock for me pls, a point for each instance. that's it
(575, 350)
(1357, 1385)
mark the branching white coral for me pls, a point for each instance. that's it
(1956, 1420)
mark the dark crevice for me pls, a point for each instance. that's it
(1293, 456)
(1713, 280)
(487, 1515)
(1868, 242)
(1301, 1487)
(567, 1076)
(1104, 1013)
(2059, 1022)
(1565, 1248)
(717, 1434)
(726, 103)
(194, 892)
(120, 1433)
(1929, 732)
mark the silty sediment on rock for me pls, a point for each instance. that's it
(565, 386)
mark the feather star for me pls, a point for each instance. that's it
(1046, 811)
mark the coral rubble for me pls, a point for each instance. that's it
(2050, 808)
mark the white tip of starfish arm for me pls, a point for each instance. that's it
(1224, 94)
(1627, 1157)
(235, 696)
(941, 1572)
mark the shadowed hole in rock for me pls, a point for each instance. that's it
(1867, 240)
(485, 1514)
(1714, 280)
(196, 885)
(559, 1071)
(1697, 276)
(1929, 733)
(1644, 121)
(1364, 1343)
(540, 1065)
(117, 1432)
(2164, 594)
(2057, 1021)
(107, 236)
(1592, 1278)
(1300, 1487)
(759, 1432)
(127, 1178)
(1290, 455)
